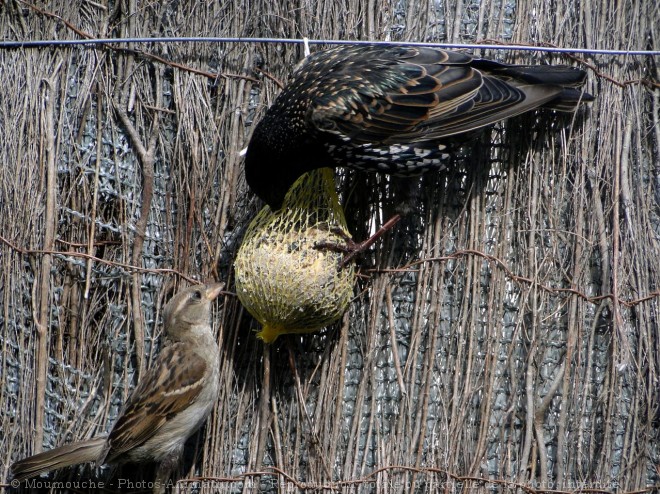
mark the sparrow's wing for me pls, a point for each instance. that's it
(410, 94)
(169, 387)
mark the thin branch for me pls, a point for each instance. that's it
(41, 312)
(464, 481)
(130, 268)
(393, 340)
(520, 279)
(139, 53)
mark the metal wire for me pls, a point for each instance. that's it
(185, 39)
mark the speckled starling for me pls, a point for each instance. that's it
(393, 109)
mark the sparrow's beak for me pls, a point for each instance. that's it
(213, 290)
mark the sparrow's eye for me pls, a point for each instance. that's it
(196, 295)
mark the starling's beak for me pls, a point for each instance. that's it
(213, 290)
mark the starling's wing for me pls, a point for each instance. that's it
(169, 387)
(372, 95)
(416, 94)
(496, 100)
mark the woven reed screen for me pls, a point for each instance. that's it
(504, 335)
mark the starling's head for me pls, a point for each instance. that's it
(275, 158)
(268, 175)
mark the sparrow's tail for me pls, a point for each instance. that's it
(64, 456)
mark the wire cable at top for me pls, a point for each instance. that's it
(513, 47)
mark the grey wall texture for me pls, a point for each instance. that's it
(504, 335)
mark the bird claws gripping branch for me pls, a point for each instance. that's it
(351, 249)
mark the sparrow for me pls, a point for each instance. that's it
(395, 109)
(171, 401)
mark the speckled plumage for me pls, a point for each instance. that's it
(391, 109)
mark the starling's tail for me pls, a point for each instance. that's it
(64, 456)
(569, 99)
(570, 79)
(561, 75)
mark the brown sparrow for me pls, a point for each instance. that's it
(169, 404)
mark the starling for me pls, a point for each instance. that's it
(393, 109)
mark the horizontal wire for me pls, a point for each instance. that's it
(107, 41)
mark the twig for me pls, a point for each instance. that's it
(264, 408)
(464, 481)
(521, 279)
(601, 75)
(140, 53)
(620, 181)
(303, 409)
(393, 340)
(83, 255)
(279, 83)
(41, 312)
(73, 28)
(147, 157)
(92, 217)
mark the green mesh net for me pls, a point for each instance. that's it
(282, 280)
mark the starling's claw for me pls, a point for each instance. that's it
(347, 247)
(350, 248)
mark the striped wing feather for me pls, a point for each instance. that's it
(151, 405)
(419, 94)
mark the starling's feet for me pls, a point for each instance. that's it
(350, 248)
